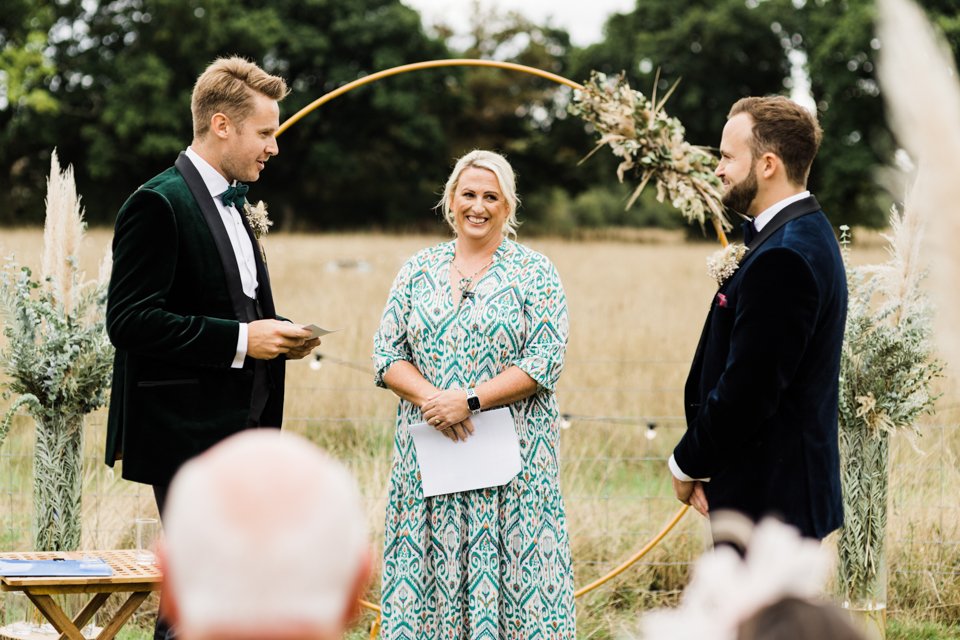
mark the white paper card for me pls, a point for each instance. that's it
(488, 458)
(316, 332)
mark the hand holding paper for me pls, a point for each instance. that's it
(488, 458)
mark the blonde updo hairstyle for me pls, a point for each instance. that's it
(481, 159)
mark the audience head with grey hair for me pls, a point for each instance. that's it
(264, 537)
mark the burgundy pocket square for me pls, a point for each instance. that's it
(721, 301)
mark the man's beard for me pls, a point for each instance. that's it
(741, 195)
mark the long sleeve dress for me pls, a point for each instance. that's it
(492, 563)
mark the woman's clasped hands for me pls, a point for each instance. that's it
(447, 412)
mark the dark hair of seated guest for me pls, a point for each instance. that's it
(798, 619)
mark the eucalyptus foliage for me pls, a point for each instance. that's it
(57, 361)
(887, 370)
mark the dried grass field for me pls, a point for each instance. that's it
(636, 309)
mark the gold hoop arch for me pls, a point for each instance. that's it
(433, 64)
(510, 66)
(418, 66)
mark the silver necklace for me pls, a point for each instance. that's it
(465, 281)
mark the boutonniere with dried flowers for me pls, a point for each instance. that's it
(723, 263)
(257, 218)
(259, 223)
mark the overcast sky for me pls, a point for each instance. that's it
(583, 19)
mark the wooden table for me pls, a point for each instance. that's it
(128, 577)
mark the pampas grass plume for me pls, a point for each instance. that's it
(62, 235)
(918, 79)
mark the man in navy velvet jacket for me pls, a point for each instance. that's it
(761, 396)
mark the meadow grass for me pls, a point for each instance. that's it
(636, 310)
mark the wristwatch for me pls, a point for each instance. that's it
(473, 402)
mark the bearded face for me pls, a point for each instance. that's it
(740, 195)
(737, 168)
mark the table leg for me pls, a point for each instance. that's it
(55, 615)
(92, 607)
(122, 615)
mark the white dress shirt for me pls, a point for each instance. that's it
(759, 223)
(769, 213)
(239, 240)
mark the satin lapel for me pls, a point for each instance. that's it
(264, 292)
(790, 212)
(212, 217)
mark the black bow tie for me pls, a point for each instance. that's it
(235, 195)
(749, 231)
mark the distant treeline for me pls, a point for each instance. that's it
(108, 84)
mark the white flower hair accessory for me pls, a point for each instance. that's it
(726, 589)
(722, 263)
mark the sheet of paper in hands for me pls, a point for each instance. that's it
(317, 332)
(488, 458)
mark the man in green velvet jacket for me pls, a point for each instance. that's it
(200, 351)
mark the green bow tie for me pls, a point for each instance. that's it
(234, 196)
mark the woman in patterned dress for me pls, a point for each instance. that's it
(480, 318)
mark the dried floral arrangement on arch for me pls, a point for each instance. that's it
(652, 147)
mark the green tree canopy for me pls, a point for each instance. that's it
(124, 72)
(723, 50)
(720, 50)
(108, 83)
(838, 36)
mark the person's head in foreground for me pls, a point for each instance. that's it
(798, 619)
(766, 151)
(264, 537)
(772, 591)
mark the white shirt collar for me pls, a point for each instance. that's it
(761, 220)
(216, 183)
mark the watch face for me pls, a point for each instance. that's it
(473, 403)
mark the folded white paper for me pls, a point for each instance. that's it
(317, 332)
(488, 458)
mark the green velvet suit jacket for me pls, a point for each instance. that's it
(173, 311)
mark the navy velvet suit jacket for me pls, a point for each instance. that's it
(761, 396)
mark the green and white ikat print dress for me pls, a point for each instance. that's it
(492, 563)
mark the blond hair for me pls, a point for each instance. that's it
(496, 163)
(227, 86)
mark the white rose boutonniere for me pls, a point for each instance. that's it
(723, 263)
(257, 218)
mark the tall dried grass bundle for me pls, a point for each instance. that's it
(62, 235)
(58, 360)
(888, 363)
(918, 78)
